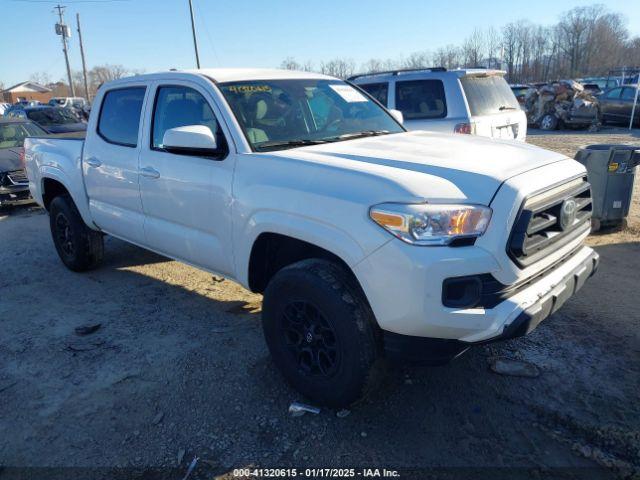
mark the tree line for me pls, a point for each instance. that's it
(586, 41)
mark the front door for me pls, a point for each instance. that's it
(186, 198)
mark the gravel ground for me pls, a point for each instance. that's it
(179, 368)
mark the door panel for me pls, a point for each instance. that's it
(110, 164)
(627, 99)
(186, 199)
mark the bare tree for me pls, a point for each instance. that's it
(43, 78)
(472, 49)
(291, 63)
(105, 73)
(448, 56)
(418, 60)
(338, 67)
(492, 48)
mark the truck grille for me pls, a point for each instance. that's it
(549, 220)
(18, 177)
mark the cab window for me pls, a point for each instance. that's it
(178, 106)
(120, 116)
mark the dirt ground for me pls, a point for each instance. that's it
(179, 369)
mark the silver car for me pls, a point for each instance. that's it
(472, 101)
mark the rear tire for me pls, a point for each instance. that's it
(321, 333)
(79, 247)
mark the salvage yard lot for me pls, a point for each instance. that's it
(179, 368)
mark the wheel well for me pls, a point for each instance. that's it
(52, 189)
(272, 252)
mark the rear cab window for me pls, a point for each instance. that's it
(119, 119)
(488, 94)
(421, 99)
(379, 91)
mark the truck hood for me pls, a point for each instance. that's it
(473, 167)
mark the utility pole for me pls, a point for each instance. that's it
(63, 31)
(84, 64)
(193, 30)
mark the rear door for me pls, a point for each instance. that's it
(187, 198)
(611, 106)
(494, 109)
(110, 162)
(626, 99)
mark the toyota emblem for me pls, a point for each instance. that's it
(568, 211)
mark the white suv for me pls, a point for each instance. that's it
(472, 101)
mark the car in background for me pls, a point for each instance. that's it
(53, 119)
(68, 102)
(471, 101)
(616, 105)
(78, 104)
(14, 186)
(520, 91)
(592, 88)
(13, 110)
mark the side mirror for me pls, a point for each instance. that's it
(397, 114)
(190, 140)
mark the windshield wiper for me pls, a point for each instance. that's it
(365, 133)
(506, 107)
(289, 144)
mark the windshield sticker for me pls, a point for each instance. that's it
(249, 88)
(348, 94)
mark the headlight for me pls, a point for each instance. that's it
(431, 224)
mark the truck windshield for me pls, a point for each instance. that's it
(488, 94)
(278, 114)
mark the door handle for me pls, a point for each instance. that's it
(149, 172)
(93, 162)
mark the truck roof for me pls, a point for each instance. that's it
(231, 74)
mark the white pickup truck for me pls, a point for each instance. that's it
(367, 241)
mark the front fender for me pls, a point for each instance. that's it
(329, 237)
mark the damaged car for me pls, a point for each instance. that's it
(14, 186)
(562, 104)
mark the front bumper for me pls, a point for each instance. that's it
(436, 351)
(14, 194)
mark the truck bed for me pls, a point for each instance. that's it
(58, 158)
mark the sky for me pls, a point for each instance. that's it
(155, 35)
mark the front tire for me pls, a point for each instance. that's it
(79, 247)
(321, 332)
(549, 122)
